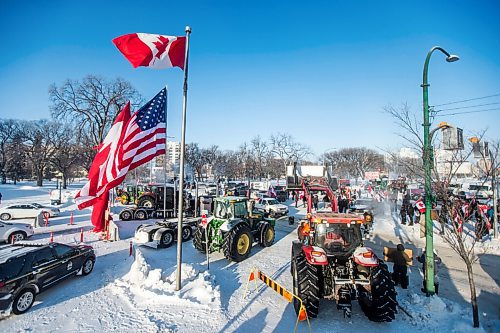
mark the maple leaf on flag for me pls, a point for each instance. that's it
(161, 45)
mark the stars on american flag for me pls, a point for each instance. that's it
(153, 113)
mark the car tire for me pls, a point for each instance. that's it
(23, 301)
(17, 236)
(88, 266)
(141, 215)
(5, 216)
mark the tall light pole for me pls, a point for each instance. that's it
(429, 250)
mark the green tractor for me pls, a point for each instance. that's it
(233, 228)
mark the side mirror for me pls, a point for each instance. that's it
(291, 220)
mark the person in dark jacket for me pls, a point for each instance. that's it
(400, 270)
(411, 212)
(437, 263)
(403, 214)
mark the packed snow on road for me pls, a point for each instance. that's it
(137, 293)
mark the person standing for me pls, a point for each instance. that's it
(400, 269)
(437, 263)
(411, 212)
(315, 201)
(403, 214)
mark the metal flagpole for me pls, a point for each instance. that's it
(181, 176)
(165, 162)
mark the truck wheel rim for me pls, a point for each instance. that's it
(243, 244)
(25, 301)
(269, 235)
(185, 233)
(167, 238)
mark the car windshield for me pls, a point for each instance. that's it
(336, 237)
(272, 202)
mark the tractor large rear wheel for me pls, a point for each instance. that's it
(199, 239)
(305, 285)
(380, 305)
(238, 243)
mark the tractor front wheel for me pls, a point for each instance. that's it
(379, 303)
(238, 243)
(266, 235)
(199, 240)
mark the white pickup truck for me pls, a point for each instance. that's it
(272, 207)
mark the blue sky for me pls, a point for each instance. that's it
(321, 71)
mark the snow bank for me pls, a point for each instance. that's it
(436, 314)
(148, 285)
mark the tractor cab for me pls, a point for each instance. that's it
(338, 234)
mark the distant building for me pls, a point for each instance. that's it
(447, 162)
(173, 155)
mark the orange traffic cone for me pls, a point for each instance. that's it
(251, 277)
(51, 237)
(71, 219)
(302, 313)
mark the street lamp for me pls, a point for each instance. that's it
(429, 251)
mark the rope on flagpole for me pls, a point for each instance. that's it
(181, 176)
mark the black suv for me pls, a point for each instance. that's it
(27, 269)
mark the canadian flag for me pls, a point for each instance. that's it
(420, 205)
(150, 50)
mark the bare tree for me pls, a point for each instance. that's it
(460, 238)
(260, 150)
(92, 104)
(287, 149)
(354, 161)
(9, 128)
(195, 159)
(66, 154)
(39, 146)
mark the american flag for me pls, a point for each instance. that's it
(131, 142)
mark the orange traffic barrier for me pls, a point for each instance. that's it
(287, 295)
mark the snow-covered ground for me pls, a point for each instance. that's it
(137, 294)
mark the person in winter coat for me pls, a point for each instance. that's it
(403, 214)
(315, 201)
(437, 263)
(400, 270)
(411, 212)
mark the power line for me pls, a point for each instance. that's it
(467, 100)
(466, 107)
(456, 113)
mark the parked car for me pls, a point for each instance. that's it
(15, 231)
(27, 269)
(23, 211)
(271, 206)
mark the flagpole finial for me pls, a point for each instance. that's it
(188, 29)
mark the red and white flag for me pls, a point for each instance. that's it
(150, 50)
(420, 205)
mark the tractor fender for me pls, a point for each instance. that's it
(365, 256)
(315, 255)
(230, 224)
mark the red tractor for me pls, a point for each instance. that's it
(329, 261)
